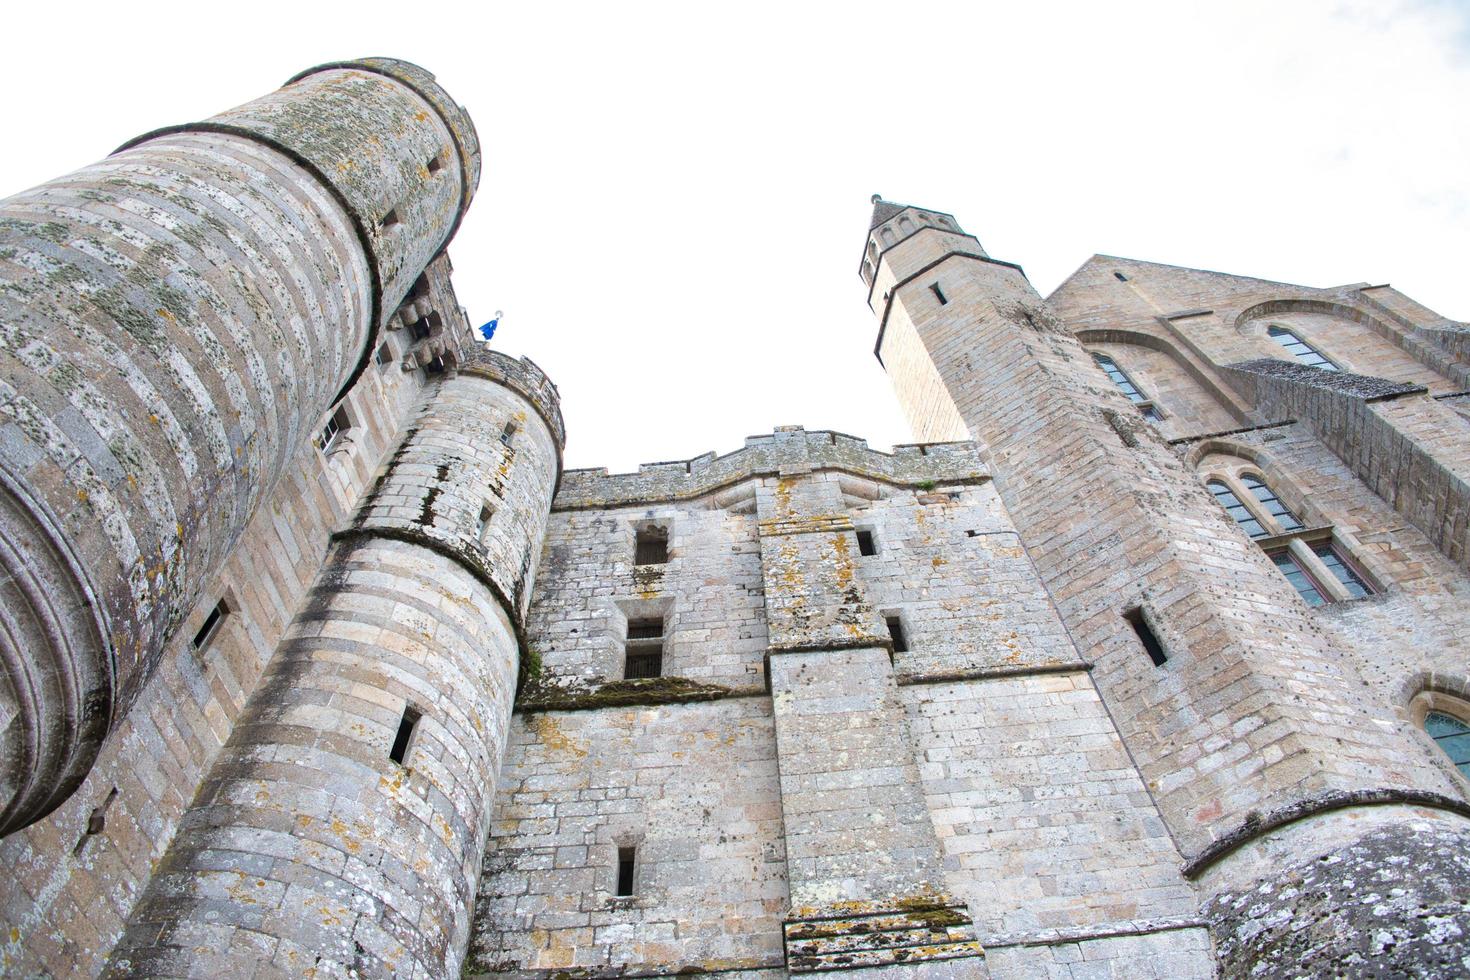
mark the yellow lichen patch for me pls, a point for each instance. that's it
(937, 561)
(82, 496)
(555, 739)
(166, 315)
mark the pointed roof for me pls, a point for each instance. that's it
(883, 210)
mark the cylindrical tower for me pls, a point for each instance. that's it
(177, 319)
(345, 820)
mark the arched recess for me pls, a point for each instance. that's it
(1354, 339)
(1191, 400)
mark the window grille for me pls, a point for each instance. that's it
(644, 653)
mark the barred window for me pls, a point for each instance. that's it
(644, 652)
(1298, 348)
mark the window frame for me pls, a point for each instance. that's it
(1440, 702)
(1147, 406)
(1274, 333)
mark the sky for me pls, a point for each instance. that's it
(675, 196)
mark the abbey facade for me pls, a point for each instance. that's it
(1150, 658)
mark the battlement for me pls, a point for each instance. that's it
(788, 451)
(525, 377)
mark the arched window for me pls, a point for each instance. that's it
(1271, 502)
(887, 235)
(1298, 348)
(906, 226)
(1125, 384)
(1453, 736)
(1237, 510)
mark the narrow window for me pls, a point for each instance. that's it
(645, 649)
(906, 226)
(390, 220)
(1146, 636)
(1305, 585)
(1115, 374)
(211, 624)
(507, 433)
(404, 738)
(1272, 503)
(1237, 510)
(96, 821)
(887, 235)
(938, 294)
(895, 631)
(332, 431)
(1151, 413)
(419, 329)
(1452, 736)
(487, 511)
(626, 856)
(1339, 566)
(1299, 348)
(866, 544)
(1120, 277)
(651, 546)
(435, 164)
(385, 354)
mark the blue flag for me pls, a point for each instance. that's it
(488, 330)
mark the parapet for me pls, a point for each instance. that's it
(788, 451)
(526, 378)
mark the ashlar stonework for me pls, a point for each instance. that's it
(317, 663)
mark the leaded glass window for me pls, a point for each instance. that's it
(1272, 503)
(1299, 348)
(1237, 510)
(1344, 572)
(1298, 577)
(1453, 736)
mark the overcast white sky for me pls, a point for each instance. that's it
(675, 196)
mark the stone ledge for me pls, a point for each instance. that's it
(627, 693)
(988, 673)
(1084, 934)
(854, 935)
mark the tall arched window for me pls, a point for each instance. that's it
(1125, 384)
(1453, 736)
(1239, 511)
(1271, 502)
(1298, 348)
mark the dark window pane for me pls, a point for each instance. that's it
(1115, 373)
(645, 629)
(1237, 510)
(1299, 578)
(643, 664)
(1300, 349)
(1350, 579)
(1453, 736)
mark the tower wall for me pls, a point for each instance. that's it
(309, 845)
(179, 318)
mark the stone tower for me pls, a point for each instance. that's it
(1246, 717)
(1148, 661)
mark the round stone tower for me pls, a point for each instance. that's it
(346, 818)
(178, 319)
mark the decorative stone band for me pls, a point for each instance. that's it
(815, 524)
(1112, 930)
(627, 693)
(855, 935)
(1258, 825)
(988, 673)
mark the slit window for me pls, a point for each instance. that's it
(385, 354)
(1298, 348)
(390, 220)
(403, 740)
(1125, 384)
(627, 857)
(644, 653)
(1146, 636)
(332, 431)
(895, 633)
(1120, 277)
(866, 544)
(507, 433)
(651, 546)
(487, 511)
(435, 164)
(1452, 736)
(1237, 510)
(938, 294)
(211, 624)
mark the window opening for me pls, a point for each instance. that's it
(487, 511)
(645, 649)
(1237, 510)
(866, 544)
(96, 820)
(1146, 636)
(1125, 384)
(1120, 277)
(508, 432)
(1299, 348)
(626, 858)
(211, 624)
(436, 366)
(1272, 503)
(938, 294)
(651, 546)
(385, 354)
(406, 726)
(334, 427)
(1453, 738)
(1341, 569)
(419, 329)
(1301, 580)
(390, 220)
(435, 164)
(895, 631)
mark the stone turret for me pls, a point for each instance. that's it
(349, 811)
(179, 318)
(1244, 720)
